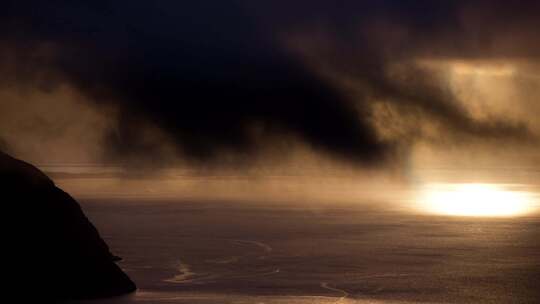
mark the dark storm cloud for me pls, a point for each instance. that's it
(200, 71)
(365, 39)
(377, 46)
(214, 75)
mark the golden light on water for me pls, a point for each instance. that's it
(489, 200)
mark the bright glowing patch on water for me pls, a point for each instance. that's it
(474, 200)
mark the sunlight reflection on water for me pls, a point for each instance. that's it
(476, 199)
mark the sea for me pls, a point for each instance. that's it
(285, 246)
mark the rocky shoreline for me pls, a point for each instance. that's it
(55, 252)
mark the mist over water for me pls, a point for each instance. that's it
(208, 252)
(188, 238)
(489, 191)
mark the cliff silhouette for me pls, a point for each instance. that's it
(53, 251)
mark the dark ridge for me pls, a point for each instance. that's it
(54, 251)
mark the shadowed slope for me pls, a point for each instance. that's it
(54, 251)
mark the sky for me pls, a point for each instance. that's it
(216, 128)
(243, 83)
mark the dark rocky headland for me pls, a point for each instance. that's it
(53, 251)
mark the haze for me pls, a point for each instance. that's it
(307, 151)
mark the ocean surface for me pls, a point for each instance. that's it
(227, 252)
(187, 238)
